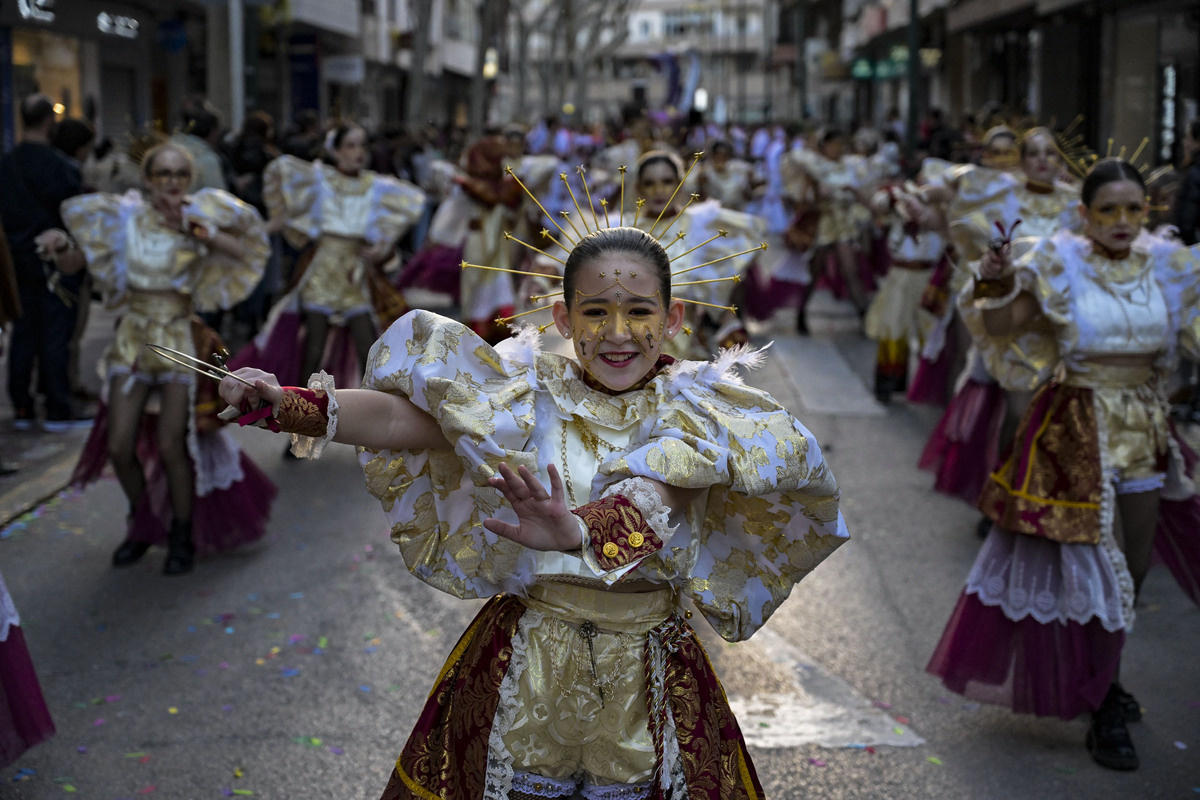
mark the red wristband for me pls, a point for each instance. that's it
(303, 411)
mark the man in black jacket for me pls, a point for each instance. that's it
(36, 179)
(1187, 202)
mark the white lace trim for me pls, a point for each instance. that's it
(1108, 542)
(536, 785)
(216, 457)
(1053, 582)
(500, 777)
(1029, 576)
(642, 494)
(309, 446)
(8, 611)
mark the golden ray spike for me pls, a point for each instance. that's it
(621, 169)
(506, 320)
(695, 160)
(687, 329)
(640, 202)
(1141, 147)
(1121, 155)
(465, 265)
(734, 278)
(533, 298)
(691, 200)
(545, 232)
(730, 309)
(538, 203)
(678, 238)
(761, 246)
(544, 328)
(1110, 144)
(562, 176)
(582, 170)
(567, 216)
(718, 235)
(509, 237)
(604, 205)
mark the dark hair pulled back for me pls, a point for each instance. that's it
(1105, 171)
(629, 241)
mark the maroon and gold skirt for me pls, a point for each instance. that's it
(645, 715)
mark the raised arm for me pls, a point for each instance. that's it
(365, 417)
(996, 281)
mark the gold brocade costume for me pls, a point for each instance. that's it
(768, 515)
(1094, 429)
(984, 197)
(341, 214)
(843, 217)
(162, 274)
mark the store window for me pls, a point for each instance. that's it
(50, 64)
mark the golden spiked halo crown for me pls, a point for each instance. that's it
(572, 230)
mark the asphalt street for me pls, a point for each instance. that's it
(296, 667)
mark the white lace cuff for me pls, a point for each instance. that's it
(642, 494)
(312, 446)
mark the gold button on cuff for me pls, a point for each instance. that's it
(636, 539)
(611, 550)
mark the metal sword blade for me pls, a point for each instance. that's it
(196, 364)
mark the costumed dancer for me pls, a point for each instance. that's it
(724, 178)
(469, 225)
(914, 244)
(699, 235)
(350, 219)
(983, 207)
(24, 718)
(666, 480)
(840, 187)
(188, 483)
(1096, 480)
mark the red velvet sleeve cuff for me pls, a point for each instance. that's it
(303, 411)
(618, 534)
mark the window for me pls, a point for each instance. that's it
(687, 23)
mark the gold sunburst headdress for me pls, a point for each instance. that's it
(574, 229)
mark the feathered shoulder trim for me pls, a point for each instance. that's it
(722, 368)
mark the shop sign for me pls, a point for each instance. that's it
(862, 69)
(117, 25)
(887, 68)
(349, 70)
(37, 10)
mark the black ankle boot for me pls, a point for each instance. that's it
(129, 552)
(180, 550)
(1108, 739)
(1131, 709)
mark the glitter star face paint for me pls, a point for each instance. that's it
(1115, 215)
(618, 320)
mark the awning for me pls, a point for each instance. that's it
(969, 13)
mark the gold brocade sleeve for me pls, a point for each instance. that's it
(221, 281)
(1179, 276)
(291, 191)
(396, 208)
(1027, 357)
(97, 222)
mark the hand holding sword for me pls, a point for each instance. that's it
(245, 390)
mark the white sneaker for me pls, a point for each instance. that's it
(63, 425)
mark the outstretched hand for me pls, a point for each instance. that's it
(545, 521)
(266, 389)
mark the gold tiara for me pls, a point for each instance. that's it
(574, 229)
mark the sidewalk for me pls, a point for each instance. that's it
(44, 460)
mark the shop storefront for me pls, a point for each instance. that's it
(91, 57)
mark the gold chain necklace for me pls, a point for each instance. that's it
(591, 440)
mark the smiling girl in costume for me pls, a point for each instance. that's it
(667, 480)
